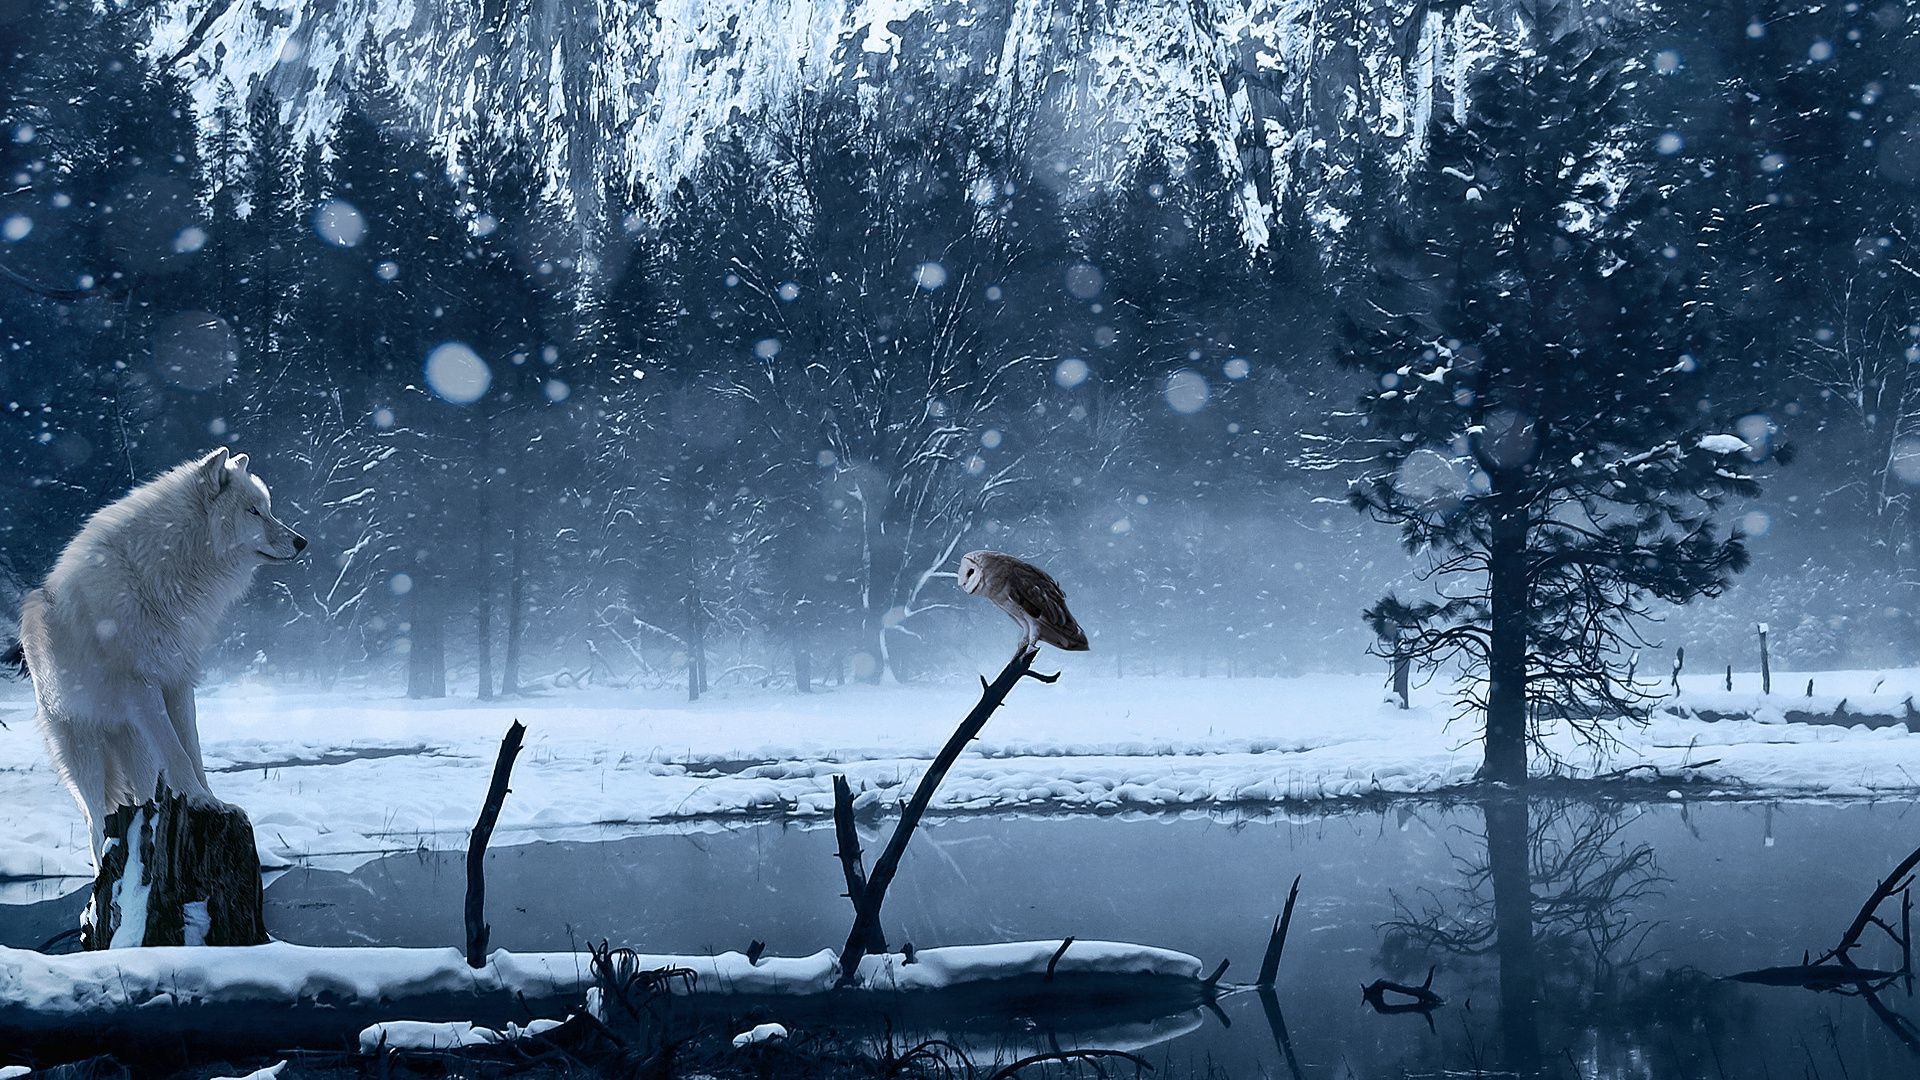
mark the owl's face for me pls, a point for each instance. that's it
(971, 574)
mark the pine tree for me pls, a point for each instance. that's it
(1534, 430)
(271, 239)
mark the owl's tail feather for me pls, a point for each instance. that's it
(1069, 637)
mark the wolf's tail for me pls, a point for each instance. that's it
(13, 662)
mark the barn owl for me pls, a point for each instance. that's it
(1027, 594)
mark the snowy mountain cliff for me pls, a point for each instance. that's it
(1279, 90)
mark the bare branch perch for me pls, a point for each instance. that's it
(866, 921)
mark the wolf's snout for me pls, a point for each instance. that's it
(299, 543)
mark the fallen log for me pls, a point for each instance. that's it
(281, 996)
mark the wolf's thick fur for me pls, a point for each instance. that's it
(113, 639)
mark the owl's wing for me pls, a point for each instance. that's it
(1037, 594)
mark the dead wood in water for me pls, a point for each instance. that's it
(852, 863)
(866, 903)
(1867, 916)
(1835, 971)
(1277, 941)
(477, 929)
(188, 857)
(1418, 999)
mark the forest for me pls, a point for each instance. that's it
(736, 430)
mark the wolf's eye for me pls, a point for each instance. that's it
(254, 510)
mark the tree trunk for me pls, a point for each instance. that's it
(1506, 753)
(182, 874)
(802, 670)
(696, 645)
(873, 630)
(483, 631)
(483, 585)
(516, 614)
(427, 652)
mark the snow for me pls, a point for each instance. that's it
(939, 969)
(271, 1072)
(195, 922)
(337, 779)
(83, 983)
(760, 1033)
(95, 984)
(1723, 444)
(427, 1035)
(131, 891)
(8, 1072)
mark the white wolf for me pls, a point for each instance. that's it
(113, 639)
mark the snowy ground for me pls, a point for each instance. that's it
(336, 779)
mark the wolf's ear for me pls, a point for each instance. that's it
(213, 471)
(239, 463)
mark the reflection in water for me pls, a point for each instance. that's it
(1555, 895)
(1552, 893)
(1508, 858)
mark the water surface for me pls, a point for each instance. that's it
(1570, 938)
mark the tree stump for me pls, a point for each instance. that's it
(176, 873)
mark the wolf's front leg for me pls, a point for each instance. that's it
(158, 754)
(185, 719)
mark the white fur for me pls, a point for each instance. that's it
(114, 637)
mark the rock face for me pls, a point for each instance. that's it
(176, 873)
(1286, 93)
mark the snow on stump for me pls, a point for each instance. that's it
(176, 872)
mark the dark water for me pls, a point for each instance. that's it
(1571, 939)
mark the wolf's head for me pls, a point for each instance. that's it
(240, 511)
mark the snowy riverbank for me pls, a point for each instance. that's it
(337, 779)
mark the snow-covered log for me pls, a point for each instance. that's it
(176, 872)
(293, 995)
